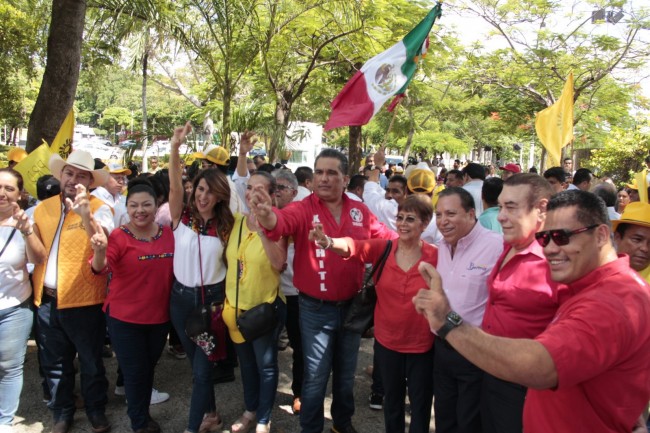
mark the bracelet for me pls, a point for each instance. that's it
(29, 233)
(330, 242)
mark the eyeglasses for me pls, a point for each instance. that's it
(281, 187)
(560, 236)
(409, 219)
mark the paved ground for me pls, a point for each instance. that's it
(173, 376)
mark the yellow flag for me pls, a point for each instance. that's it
(62, 143)
(34, 166)
(641, 180)
(554, 125)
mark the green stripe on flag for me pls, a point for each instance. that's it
(413, 43)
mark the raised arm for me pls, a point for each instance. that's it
(522, 361)
(175, 176)
(261, 206)
(248, 140)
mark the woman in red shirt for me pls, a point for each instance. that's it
(139, 256)
(403, 341)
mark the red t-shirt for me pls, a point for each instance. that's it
(600, 343)
(522, 297)
(397, 326)
(320, 273)
(142, 276)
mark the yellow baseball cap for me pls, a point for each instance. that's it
(16, 154)
(421, 180)
(217, 155)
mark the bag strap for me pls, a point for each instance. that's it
(379, 265)
(241, 226)
(198, 237)
(11, 235)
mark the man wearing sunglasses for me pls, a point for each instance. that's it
(632, 236)
(522, 297)
(588, 371)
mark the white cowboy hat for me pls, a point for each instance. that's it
(81, 160)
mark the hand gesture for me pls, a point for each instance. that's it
(260, 203)
(180, 134)
(81, 204)
(432, 303)
(22, 219)
(248, 140)
(380, 157)
(98, 241)
(317, 234)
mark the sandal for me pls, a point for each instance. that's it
(211, 423)
(263, 428)
(244, 423)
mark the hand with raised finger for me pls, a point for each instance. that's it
(98, 241)
(380, 157)
(248, 140)
(261, 203)
(316, 234)
(23, 224)
(432, 303)
(180, 135)
(81, 204)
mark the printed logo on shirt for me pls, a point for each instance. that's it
(472, 266)
(357, 217)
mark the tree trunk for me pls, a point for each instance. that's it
(354, 150)
(225, 119)
(59, 85)
(145, 140)
(283, 105)
(409, 143)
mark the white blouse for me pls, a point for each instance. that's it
(186, 258)
(14, 278)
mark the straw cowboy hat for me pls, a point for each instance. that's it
(81, 160)
(636, 213)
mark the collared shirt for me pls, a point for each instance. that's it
(475, 187)
(320, 273)
(353, 196)
(464, 276)
(116, 202)
(302, 193)
(523, 298)
(488, 219)
(599, 342)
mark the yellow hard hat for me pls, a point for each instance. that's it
(16, 154)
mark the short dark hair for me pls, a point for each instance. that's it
(357, 181)
(266, 167)
(590, 209)
(607, 192)
(420, 204)
(568, 159)
(466, 199)
(333, 153)
(539, 187)
(269, 177)
(555, 173)
(581, 175)
(491, 189)
(455, 172)
(142, 184)
(303, 174)
(399, 179)
(474, 171)
(47, 186)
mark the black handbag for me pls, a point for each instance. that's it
(259, 320)
(362, 309)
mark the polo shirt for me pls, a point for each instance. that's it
(523, 299)
(600, 343)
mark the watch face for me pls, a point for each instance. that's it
(454, 318)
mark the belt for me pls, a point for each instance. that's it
(327, 302)
(49, 292)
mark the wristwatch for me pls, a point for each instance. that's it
(453, 320)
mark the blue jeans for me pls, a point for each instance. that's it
(183, 300)
(327, 347)
(63, 334)
(138, 348)
(15, 325)
(258, 362)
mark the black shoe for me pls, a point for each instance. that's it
(376, 401)
(107, 352)
(62, 426)
(223, 375)
(99, 423)
(153, 426)
(348, 429)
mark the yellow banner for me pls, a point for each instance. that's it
(641, 181)
(62, 143)
(34, 166)
(554, 125)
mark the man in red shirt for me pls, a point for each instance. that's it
(327, 283)
(522, 297)
(588, 371)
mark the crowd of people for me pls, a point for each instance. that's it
(512, 302)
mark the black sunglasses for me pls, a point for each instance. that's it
(561, 236)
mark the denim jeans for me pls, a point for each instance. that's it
(295, 339)
(138, 348)
(258, 362)
(327, 347)
(183, 300)
(63, 334)
(15, 325)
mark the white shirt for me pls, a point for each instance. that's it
(302, 193)
(353, 196)
(116, 202)
(186, 258)
(14, 278)
(474, 187)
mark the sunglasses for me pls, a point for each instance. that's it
(561, 236)
(409, 219)
(281, 187)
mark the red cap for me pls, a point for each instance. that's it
(511, 167)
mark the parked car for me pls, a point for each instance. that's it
(130, 144)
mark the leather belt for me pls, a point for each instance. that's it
(49, 292)
(327, 302)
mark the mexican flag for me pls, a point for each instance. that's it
(385, 75)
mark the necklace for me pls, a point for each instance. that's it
(139, 236)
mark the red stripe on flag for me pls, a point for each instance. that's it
(352, 106)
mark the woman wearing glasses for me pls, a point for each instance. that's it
(403, 341)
